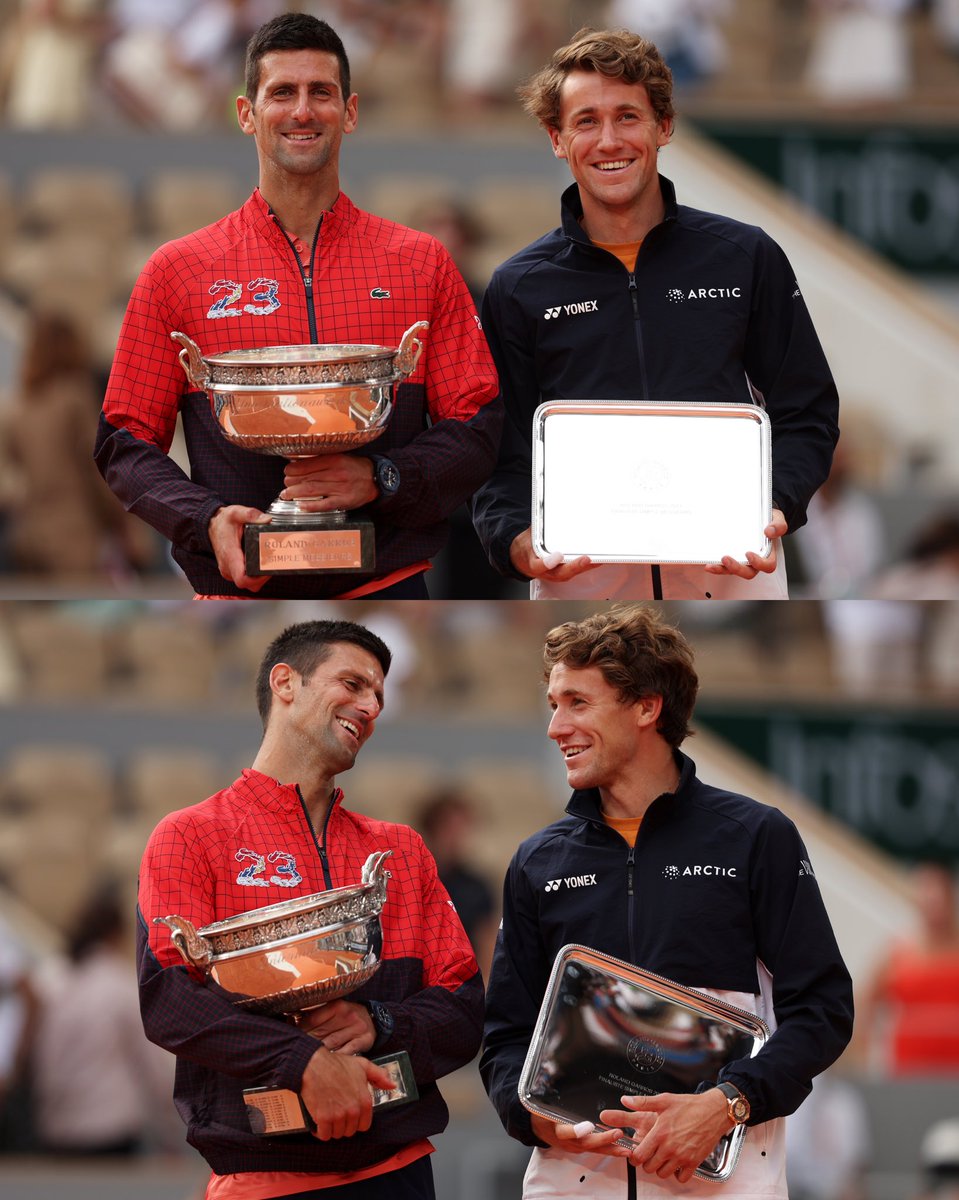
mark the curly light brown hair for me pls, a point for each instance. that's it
(639, 654)
(616, 53)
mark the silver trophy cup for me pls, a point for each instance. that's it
(298, 402)
(286, 958)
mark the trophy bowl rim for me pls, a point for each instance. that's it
(290, 939)
(315, 902)
(300, 354)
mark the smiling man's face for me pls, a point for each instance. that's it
(300, 114)
(609, 135)
(335, 710)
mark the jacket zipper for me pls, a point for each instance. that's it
(654, 570)
(630, 864)
(306, 274)
(319, 843)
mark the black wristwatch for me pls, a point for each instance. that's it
(737, 1106)
(386, 474)
(382, 1018)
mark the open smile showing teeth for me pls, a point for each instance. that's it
(613, 166)
(350, 727)
(572, 751)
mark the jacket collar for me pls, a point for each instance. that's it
(571, 208)
(270, 793)
(340, 218)
(586, 803)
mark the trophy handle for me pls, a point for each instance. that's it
(410, 348)
(192, 361)
(194, 949)
(372, 868)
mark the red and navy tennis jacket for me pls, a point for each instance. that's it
(239, 284)
(252, 845)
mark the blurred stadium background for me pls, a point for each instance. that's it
(834, 125)
(117, 711)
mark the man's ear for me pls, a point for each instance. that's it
(647, 711)
(282, 681)
(244, 114)
(558, 148)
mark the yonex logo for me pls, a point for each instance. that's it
(572, 310)
(571, 881)
(805, 868)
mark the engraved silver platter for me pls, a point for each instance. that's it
(287, 957)
(608, 1029)
(643, 482)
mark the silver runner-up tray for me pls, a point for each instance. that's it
(635, 481)
(607, 1029)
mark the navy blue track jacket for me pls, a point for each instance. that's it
(717, 889)
(711, 313)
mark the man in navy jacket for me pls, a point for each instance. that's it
(707, 888)
(636, 297)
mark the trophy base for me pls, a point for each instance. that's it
(309, 544)
(273, 1112)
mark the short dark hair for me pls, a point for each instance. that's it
(639, 654)
(307, 644)
(615, 53)
(294, 31)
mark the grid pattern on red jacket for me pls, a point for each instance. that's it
(238, 284)
(196, 858)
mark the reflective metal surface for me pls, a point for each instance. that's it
(294, 955)
(608, 1029)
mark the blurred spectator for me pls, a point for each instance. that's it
(18, 1014)
(483, 48)
(63, 521)
(945, 22)
(99, 1087)
(446, 821)
(47, 63)
(860, 51)
(455, 225)
(911, 1011)
(939, 1161)
(828, 1143)
(843, 544)
(177, 66)
(687, 32)
(929, 569)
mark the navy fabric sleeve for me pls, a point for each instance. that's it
(785, 361)
(812, 989)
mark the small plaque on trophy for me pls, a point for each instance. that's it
(632, 481)
(607, 1029)
(274, 1112)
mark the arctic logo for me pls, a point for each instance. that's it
(571, 310)
(678, 295)
(672, 872)
(572, 881)
(380, 294)
(805, 868)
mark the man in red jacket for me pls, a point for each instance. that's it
(300, 263)
(319, 692)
